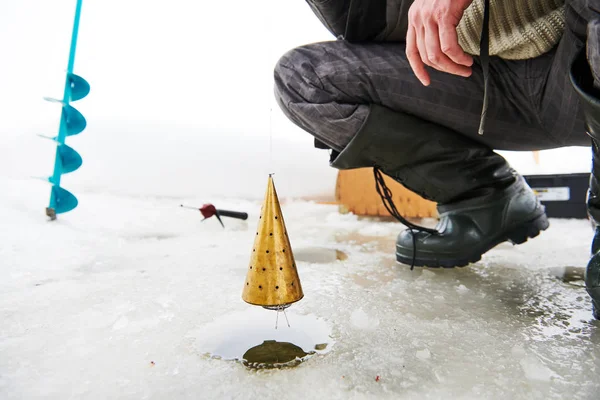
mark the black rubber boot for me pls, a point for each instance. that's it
(482, 201)
(582, 80)
(470, 228)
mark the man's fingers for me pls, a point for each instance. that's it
(450, 47)
(420, 35)
(414, 58)
(437, 59)
(431, 42)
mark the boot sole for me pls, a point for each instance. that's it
(594, 293)
(596, 310)
(518, 235)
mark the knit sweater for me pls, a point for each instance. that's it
(519, 29)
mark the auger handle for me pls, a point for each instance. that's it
(233, 214)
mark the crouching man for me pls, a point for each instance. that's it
(425, 91)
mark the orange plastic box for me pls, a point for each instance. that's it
(356, 193)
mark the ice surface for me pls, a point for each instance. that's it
(115, 299)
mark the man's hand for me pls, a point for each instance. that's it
(432, 39)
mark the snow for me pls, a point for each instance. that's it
(361, 320)
(423, 354)
(126, 296)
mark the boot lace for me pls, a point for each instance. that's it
(386, 196)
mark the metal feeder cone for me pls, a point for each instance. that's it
(272, 280)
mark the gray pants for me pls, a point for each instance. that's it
(326, 89)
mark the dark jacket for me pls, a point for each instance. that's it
(364, 20)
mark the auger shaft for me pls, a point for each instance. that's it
(62, 131)
(73, 41)
(72, 122)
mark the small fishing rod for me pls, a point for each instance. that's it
(208, 210)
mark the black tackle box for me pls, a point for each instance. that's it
(564, 195)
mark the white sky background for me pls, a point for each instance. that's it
(205, 63)
(177, 86)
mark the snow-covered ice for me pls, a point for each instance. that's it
(119, 298)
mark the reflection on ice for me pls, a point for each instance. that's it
(250, 336)
(274, 354)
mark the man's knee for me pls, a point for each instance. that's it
(296, 77)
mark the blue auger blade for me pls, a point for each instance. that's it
(61, 200)
(79, 87)
(74, 121)
(69, 158)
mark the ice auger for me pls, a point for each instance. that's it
(72, 122)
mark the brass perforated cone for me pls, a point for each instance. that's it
(272, 278)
